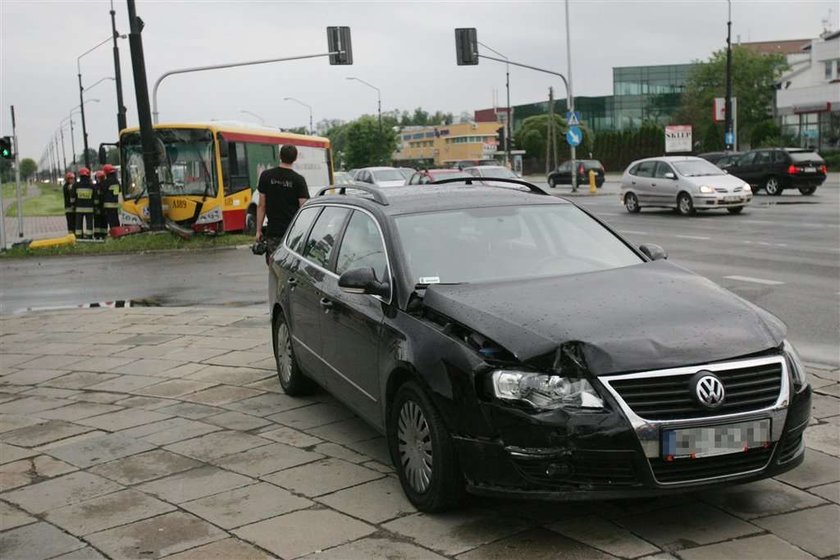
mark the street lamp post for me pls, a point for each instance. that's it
(378, 98)
(262, 120)
(121, 119)
(508, 124)
(85, 156)
(63, 149)
(299, 102)
(729, 136)
(571, 94)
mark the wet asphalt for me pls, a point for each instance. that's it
(782, 253)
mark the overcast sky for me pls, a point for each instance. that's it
(404, 48)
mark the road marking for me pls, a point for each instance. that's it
(631, 232)
(755, 280)
(697, 237)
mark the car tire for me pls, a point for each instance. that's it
(422, 451)
(735, 210)
(685, 206)
(631, 203)
(251, 221)
(773, 186)
(807, 191)
(292, 379)
(551, 182)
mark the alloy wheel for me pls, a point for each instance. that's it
(772, 186)
(414, 441)
(284, 353)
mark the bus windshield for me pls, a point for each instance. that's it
(184, 163)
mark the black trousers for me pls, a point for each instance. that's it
(71, 221)
(84, 221)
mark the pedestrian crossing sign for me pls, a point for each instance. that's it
(573, 118)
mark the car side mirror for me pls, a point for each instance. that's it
(363, 281)
(670, 175)
(653, 252)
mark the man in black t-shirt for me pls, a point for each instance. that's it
(282, 192)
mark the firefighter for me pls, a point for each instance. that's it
(85, 205)
(99, 225)
(111, 197)
(69, 189)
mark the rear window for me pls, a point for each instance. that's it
(591, 164)
(801, 157)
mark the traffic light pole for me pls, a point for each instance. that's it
(17, 176)
(571, 96)
(728, 138)
(147, 133)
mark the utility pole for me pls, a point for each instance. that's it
(729, 136)
(63, 151)
(85, 156)
(121, 121)
(147, 133)
(17, 176)
(571, 94)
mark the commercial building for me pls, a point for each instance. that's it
(808, 98)
(446, 145)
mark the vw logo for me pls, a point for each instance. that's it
(708, 389)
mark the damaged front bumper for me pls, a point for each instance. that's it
(614, 453)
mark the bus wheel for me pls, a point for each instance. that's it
(251, 221)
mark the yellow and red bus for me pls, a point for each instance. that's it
(208, 172)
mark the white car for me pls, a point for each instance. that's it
(380, 176)
(685, 183)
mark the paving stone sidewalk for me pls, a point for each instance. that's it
(163, 433)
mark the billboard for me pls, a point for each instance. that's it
(678, 139)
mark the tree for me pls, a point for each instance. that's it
(28, 167)
(754, 78)
(366, 144)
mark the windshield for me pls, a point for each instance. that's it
(697, 168)
(509, 242)
(185, 163)
(497, 172)
(387, 175)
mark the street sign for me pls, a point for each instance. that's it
(729, 138)
(677, 138)
(573, 119)
(574, 136)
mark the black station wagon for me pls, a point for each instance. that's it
(506, 342)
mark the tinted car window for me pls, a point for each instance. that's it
(747, 159)
(362, 247)
(297, 233)
(645, 169)
(661, 169)
(806, 156)
(762, 158)
(322, 237)
(510, 242)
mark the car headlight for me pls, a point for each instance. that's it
(705, 189)
(545, 391)
(747, 188)
(211, 216)
(797, 369)
(127, 219)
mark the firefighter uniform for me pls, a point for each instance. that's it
(86, 203)
(69, 189)
(111, 197)
(99, 224)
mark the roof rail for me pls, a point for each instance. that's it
(375, 192)
(480, 180)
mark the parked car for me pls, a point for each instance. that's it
(342, 178)
(451, 318)
(427, 176)
(491, 172)
(777, 169)
(714, 157)
(406, 172)
(685, 183)
(563, 174)
(380, 176)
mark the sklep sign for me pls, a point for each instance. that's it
(678, 139)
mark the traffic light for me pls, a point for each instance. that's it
(466, 46)
(500, 139)
(6, 148)
(338, 42)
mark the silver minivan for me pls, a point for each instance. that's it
(685, 183)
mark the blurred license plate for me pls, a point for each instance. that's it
(810, 170)
(732, 199)
(709, 441)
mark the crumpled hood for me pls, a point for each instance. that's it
(648, 316)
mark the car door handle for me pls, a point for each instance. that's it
(327, 304)
(653, 184)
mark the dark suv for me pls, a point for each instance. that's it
(563, 174)
(506, 342)
(776, 169)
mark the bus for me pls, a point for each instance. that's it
(208, 172)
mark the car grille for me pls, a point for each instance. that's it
(669, 397)
(687, 470)
(603, 469)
